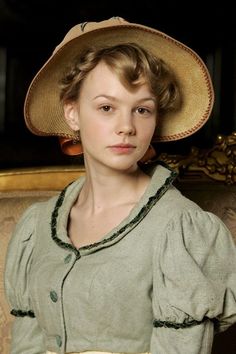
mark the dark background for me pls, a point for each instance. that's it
(30, 30)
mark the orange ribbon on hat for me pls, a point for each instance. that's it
(70, 146)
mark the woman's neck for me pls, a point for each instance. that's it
(103, 190)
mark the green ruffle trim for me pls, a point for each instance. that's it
(185, 324)
(54, 225)
(20, 313)
(142, 213)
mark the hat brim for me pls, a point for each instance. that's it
(43, 109)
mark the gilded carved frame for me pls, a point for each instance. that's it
(217, 163)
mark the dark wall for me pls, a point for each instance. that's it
(29, 31)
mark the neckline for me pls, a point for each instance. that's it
(161, 179)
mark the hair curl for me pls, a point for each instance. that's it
(133, 65)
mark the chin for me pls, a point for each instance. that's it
(124, 165)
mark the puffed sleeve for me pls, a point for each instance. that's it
(27, 336)
(194, 291)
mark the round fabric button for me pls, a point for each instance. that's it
(53, 296)
(58, 340)
(68, 258)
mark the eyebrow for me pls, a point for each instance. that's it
(112, 98)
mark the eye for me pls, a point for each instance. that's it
(143, 111)
(106, 108)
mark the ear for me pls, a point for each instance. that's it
(71, 115)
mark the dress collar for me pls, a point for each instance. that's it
(161, 179)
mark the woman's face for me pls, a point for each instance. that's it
(116, 125)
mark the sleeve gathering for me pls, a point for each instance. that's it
(18, 261)
(194, 291)
(27, 336)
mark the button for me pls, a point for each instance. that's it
(59, 340)
(53, 296)
(68, 258)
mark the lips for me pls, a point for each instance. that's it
(122, 148)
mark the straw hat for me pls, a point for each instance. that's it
(44, 112)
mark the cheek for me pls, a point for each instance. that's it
(148, 129)
(94, 131)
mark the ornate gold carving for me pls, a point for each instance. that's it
(217, 163)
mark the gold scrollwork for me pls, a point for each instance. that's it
(218, 162)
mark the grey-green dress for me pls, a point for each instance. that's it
(161, 281)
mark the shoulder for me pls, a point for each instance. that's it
(185, 225)
(27, 221)
(173, 205)
(38, 213)
(44, 208)
(192, 233)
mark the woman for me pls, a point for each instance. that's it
(120, 261)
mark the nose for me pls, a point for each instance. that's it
(125, 125)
